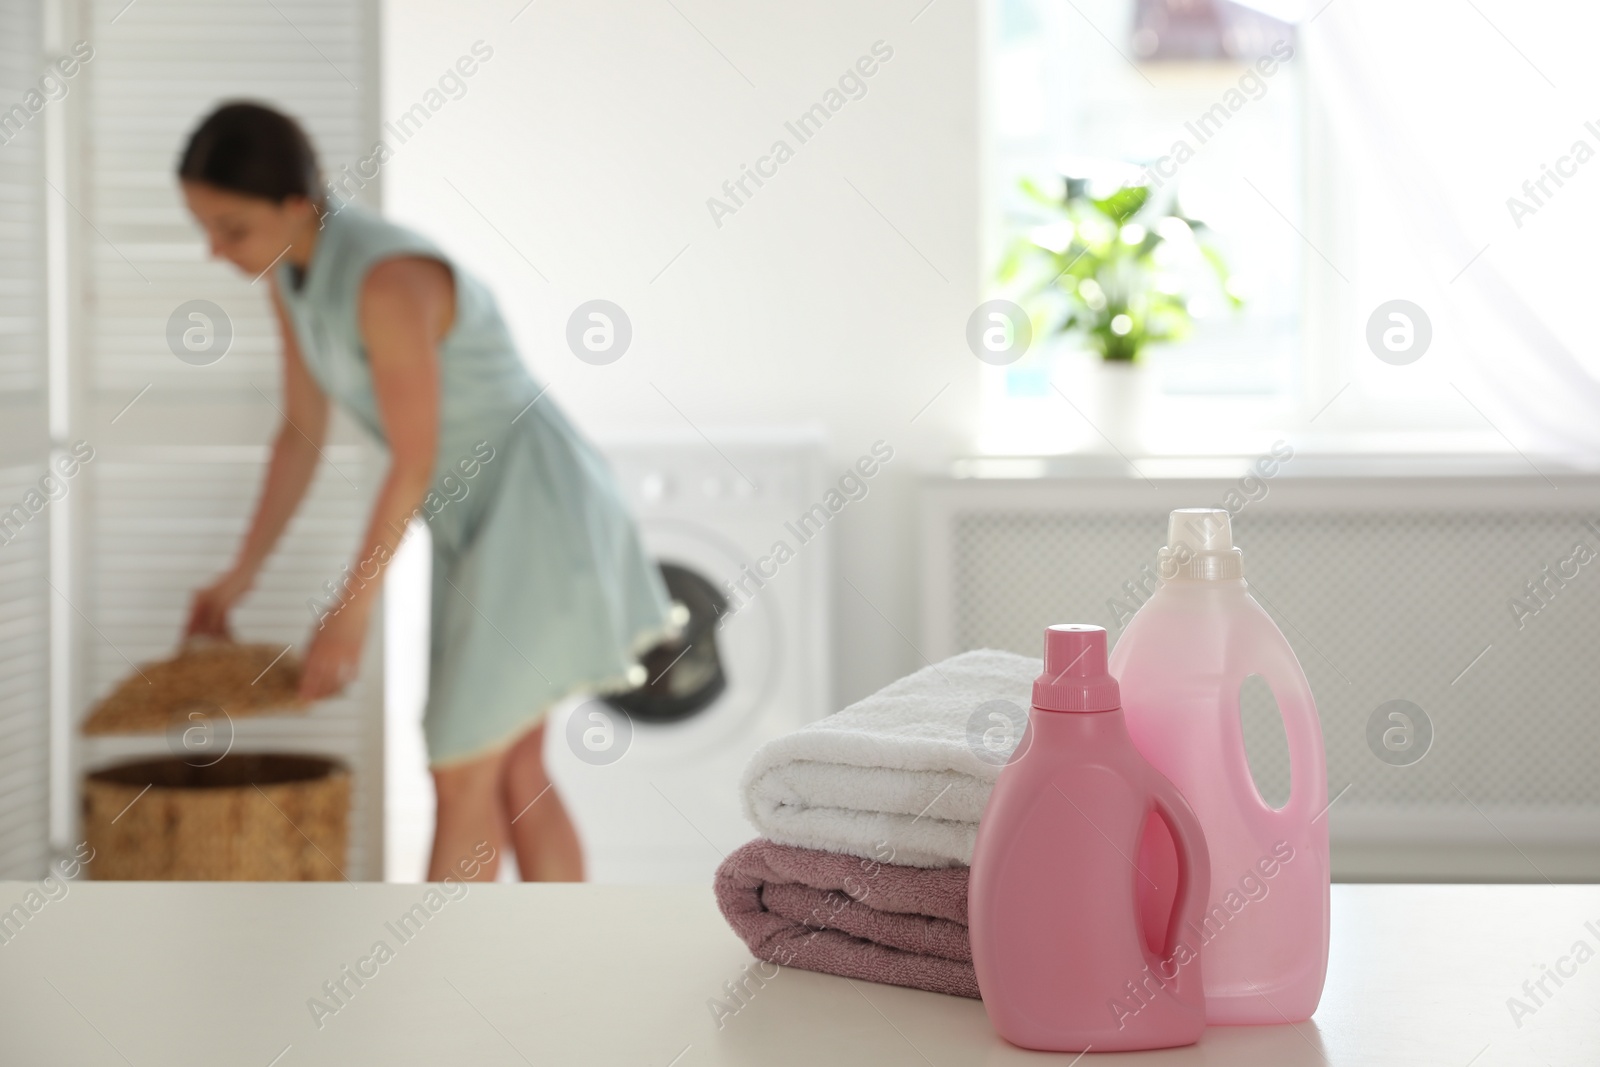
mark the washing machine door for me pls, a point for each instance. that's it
(684, 675)
(718, 683)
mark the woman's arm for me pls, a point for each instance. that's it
(407, 306)
(295, 452)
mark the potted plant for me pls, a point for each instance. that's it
(1120, 270)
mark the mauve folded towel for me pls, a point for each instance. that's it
(849, 916)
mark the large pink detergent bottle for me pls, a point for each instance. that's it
(1053, 908)
(1181, 662)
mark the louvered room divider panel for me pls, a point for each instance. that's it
(24, 687)
(180, 448)
(157, 70)
(24, 448)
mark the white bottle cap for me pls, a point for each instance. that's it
(1200, 546)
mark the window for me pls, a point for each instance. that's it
(1256, 126)
(1070, 97)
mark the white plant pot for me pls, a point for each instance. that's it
(1112, 397)
(1122, 396)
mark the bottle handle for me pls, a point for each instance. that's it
(1194, 862)
(1302, 730)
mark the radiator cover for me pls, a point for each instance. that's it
(1387, 588)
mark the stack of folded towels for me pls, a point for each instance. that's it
(869, 818)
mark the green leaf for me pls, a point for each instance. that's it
(1123, 204)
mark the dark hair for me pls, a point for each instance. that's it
(254, 150)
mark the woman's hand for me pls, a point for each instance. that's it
(334, 656)
(208, 610)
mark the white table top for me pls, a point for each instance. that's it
(212, 974)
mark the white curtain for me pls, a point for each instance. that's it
(1439, 112)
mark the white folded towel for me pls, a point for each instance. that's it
(902, 775)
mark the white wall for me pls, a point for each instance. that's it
(591, 140)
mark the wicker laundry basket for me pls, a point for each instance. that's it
(249, 817)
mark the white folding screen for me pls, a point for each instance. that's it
(156, 70)
(24, 449)
(180, 448)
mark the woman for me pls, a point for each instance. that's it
(540, 585)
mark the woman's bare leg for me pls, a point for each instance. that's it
(470, 830)
(541, 831)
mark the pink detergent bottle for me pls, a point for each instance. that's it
(1181, 662)
(1053, 911)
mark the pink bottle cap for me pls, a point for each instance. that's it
(1075, 677)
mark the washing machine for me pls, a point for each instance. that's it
(651, 776)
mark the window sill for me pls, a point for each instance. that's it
(1304, 464)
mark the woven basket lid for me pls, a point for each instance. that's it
(208, 677)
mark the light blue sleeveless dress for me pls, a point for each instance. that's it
(541, 587)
